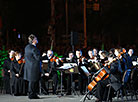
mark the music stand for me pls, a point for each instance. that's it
(72, 88)
(61, 69)
(61, 84)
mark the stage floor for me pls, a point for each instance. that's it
(52, 98)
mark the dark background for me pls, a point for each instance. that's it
(115, 24)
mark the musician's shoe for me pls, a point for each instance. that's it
(16, 94)
(34, 97)
(37, 97)
(55, 93)
(68, 93)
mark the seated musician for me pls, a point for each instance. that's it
(70, 58)
(103, 58)
(67, 76)
(134, 71)
(132, 55)
(91, 63)
(95, 53)
(81, 61)
(126, 61)
(102, 86)
(51, 71)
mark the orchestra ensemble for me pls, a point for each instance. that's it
(29, 73)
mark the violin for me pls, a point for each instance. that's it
(54, 59)
(12, 59)
(21, 61)
(93, 60)
(81, 59)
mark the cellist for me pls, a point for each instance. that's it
(102, 86)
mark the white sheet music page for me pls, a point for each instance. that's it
(85, 70)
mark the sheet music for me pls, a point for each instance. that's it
(71, 64)
(85, 70)
(68, 65)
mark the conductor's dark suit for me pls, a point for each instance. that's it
(32, 68)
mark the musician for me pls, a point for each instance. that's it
(118, 54)
(95, 53)
(70, 58)
(7, 72)
(126, 62)
(17, 75)
(67, 80)
(91, 62)
(131, 54)
(103, 58)
(102, 86)
(51, 72)
(81, 61)
(32, 67)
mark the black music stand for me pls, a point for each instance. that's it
(61, 69)
(72, 88)
(61, 84)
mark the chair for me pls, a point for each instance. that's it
(50, 86)
(126, 86)
(116, 85)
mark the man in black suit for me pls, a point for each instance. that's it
(32, 68)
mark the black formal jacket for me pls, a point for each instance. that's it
(32, 67)
(52, 66)
(6, 67)
(16, 68)
(84, 63)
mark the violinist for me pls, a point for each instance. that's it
(102, 86)
(91, 62)
(83, 79)
(67, 83)
(7, 72)
(103, 58)
(70, 58)
(51, 71)
(17, 71)
(95, 53)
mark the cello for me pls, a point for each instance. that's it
(101, 74)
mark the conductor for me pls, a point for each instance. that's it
(32, 68)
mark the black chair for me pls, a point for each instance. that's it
(126, 87)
